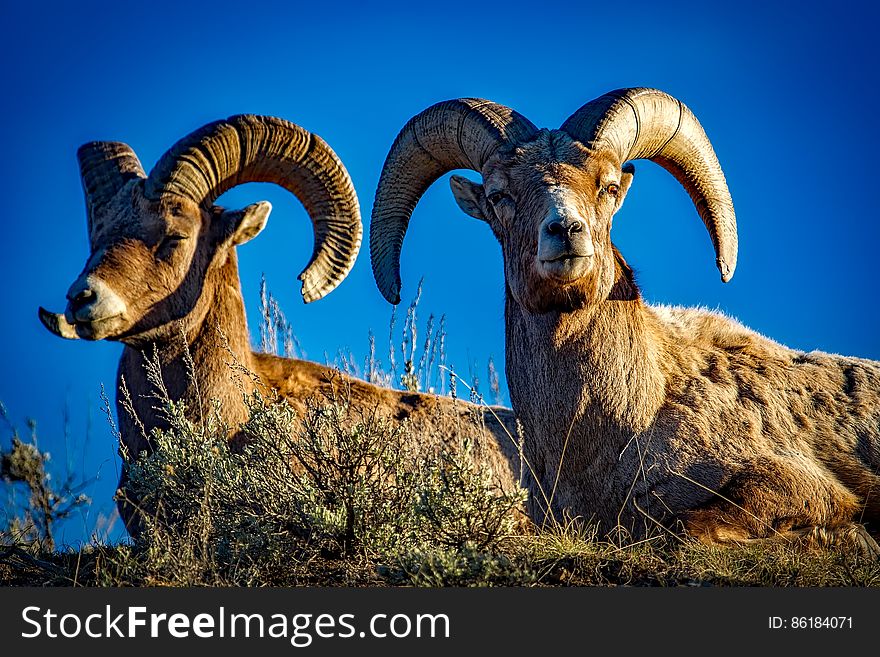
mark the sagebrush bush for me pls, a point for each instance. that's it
(339, 483)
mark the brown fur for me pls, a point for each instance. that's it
(190, 287)
(642, 417)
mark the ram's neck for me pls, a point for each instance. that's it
(597, 368)
(210, 362)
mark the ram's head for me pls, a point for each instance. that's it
(158, 242)
(549, 195)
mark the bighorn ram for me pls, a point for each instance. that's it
(163, 265)
(634, 415)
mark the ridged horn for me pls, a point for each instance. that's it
(641, 123)
(105, 167)
(454, 134)
(249, 148)
(57, 323)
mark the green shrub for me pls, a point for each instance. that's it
(340, 484)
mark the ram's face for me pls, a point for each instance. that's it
(147, 269)
(550, 203)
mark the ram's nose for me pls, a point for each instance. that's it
(564, 235)
(81, 299)
(80, 303)
(89, 300)
(565, 226)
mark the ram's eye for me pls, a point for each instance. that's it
(612, 189)
(169, 243)
(496, 197)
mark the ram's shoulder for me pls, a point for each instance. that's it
(713, 328)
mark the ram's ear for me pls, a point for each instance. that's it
(626, 178)
(470, 197)
(240, 226)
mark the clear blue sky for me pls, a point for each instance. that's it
(788, 98)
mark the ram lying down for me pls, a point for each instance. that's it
(163, 265)
(638, 417)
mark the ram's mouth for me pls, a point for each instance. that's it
(567, 267)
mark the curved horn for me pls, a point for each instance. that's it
(648, 124)
(248, 148)
(105, 167)
(455, 134)
(58, 324)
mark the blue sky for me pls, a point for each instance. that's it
(788, 98)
